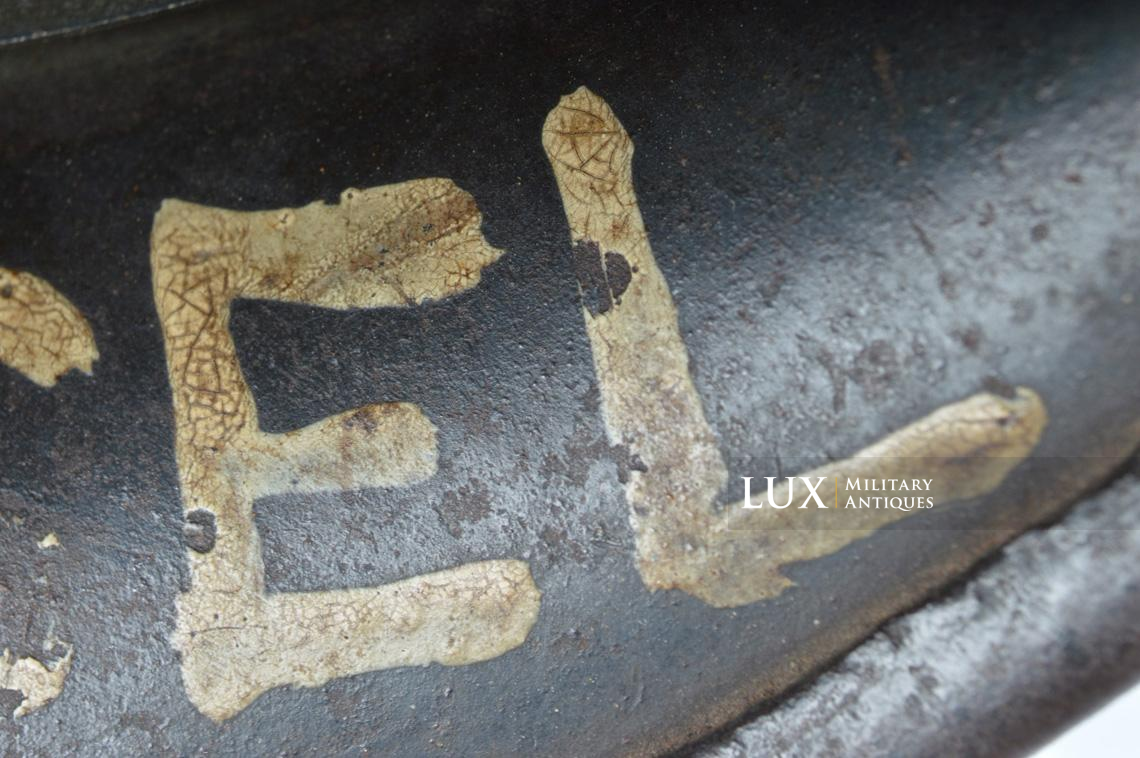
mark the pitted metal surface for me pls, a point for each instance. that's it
(862, 216)
(1042, 634)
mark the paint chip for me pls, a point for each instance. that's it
(39, 683)
(42, 335)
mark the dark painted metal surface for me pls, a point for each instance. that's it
(863, 213)
(25, 20)
(1044, 634)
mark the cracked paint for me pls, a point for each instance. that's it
(733, 556)
(390, 246)
(42, 335)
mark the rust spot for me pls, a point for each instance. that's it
(470, 504)
(971, 338)
(876, 368)
(363, 419)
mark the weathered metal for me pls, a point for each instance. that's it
(863, 214)
(1045, 633)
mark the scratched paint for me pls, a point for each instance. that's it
(42, 335)
(396, 245)
(733, 556)
(38, 682)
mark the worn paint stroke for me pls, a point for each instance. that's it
(396, 245)
(650, 404)
(42, 335)
(39, 683)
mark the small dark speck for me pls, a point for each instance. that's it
(970, 338)
(1039, 232)
(1023, 310)
(948, 284)
(6, 291)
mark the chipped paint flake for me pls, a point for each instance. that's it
(49, 541)
(396, 245)
(42, 335)
(39, 683)
(650, 404)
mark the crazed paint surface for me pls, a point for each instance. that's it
(396, 245)
(39, 683)
(732, 557)
(42, 335)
